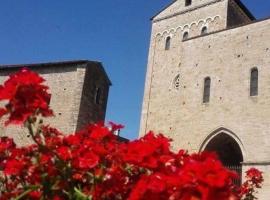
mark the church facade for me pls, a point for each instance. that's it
(208, 82)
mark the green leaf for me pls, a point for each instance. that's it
(26, 192)
(23, 194)
(79, 195)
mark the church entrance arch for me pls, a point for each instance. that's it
(227, 149)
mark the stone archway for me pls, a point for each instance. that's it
(228, 150)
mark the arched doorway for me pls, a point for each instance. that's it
(228, 150)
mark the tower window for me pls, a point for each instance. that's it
(204, 30)
(185, 35)
(254, 82)
(206, 90)
(188, 2)
(176, 82)
(168, 43)
(98, 95)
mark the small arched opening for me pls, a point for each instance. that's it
(185, 35)
(206, 90)
(204, 30)
(254, 82)
(168, 43)
(228, 151)
(188, 2)
(98, 95)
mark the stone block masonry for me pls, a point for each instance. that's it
(233, 123)
(79, 95)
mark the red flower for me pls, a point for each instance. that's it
(115, 127)
(207, 169)
(64, 153)
(77, 176)
(146, 151)
(50, 131)
(6, 144)
(45, 159)
(255, 176)
(73, 140)
(156, 183)
(26, 95)
(99, 132)
(13, 167)
(254, 180)
(87, 161)
(56, 197)
(139, 189)
(35, 195)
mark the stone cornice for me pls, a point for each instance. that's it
(187, 26)
(247, 163)
(228, 29)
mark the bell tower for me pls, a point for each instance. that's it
(207, 82)
(180, 21)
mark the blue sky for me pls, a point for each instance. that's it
(115, 32)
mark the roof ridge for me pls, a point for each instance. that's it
(66, 62)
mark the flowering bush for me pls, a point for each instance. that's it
(253, 181)
(93, 165)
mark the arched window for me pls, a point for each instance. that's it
(254, 82)
(98, 95)
(168, 43)
(206, 90)
(185, 35)
(188, 2)
(204, 30)
(176, 82)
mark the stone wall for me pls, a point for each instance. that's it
(227, 57)
(214, 16)
(71, 86)
(173, 24)
(90, 110)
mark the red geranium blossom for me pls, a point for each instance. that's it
(253, 181)
(6, 144)
(255, 176)
(87, 161)
(13, 167)
(26, 96)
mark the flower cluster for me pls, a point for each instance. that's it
(26, 96)
(93, 164)
(254, 180)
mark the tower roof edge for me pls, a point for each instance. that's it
(164, 8)
(245, 9)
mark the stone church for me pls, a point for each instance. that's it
(208, 82)
(79, 91)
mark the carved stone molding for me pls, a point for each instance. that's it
(188, 26)
(188, 10)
